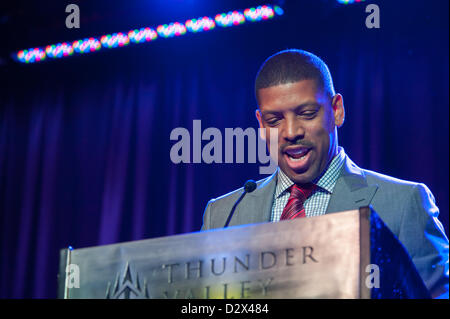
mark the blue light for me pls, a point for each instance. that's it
(278, 10)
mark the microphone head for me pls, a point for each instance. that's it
(250, 186)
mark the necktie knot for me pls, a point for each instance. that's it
(294, 207)
(302, 192)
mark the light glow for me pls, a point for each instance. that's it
(171, 30)
(142, 35)
(349, 1)
(200, 24)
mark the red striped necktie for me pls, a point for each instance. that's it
(294, 207)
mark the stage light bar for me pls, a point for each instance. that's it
(171, 30)
(121, 39)
(200, 24)
(229, 19)
(114, 40)
(142, 35)
(31, 55)
(349, 1)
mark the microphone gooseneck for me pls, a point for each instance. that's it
(249, 187)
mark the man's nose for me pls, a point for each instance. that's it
(293, 129)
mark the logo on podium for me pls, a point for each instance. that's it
(127, 286)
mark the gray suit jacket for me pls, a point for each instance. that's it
(408, 209)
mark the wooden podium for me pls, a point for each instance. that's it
(350, 254)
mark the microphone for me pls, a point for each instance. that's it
(249, 187)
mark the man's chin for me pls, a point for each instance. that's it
(301, 180)
(298, 177)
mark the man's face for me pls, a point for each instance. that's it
(307, 122)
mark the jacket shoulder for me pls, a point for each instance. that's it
(217, 209)
(233, 195)
(386, 180)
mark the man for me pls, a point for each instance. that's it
(295, 94)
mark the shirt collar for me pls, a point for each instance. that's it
(326, 181)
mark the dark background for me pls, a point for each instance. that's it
(84, 140)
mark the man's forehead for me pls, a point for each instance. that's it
(310, 83)
(300, 92)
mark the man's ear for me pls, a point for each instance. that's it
(337, 104)
(262, 131)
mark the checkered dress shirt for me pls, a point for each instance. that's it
(317, 203)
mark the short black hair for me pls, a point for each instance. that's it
(293, 65)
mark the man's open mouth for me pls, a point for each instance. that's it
(297, 157)
(296, 153)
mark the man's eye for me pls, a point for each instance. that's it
(273, 121)
(309, 114)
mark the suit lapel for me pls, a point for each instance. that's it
(351, 190)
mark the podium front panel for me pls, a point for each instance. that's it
(317, 257)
